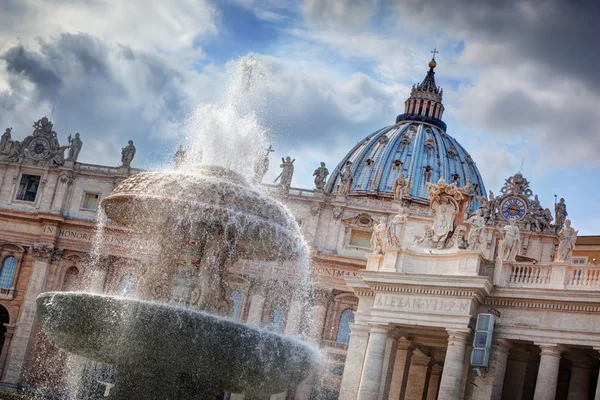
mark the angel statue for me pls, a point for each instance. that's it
(378, 236)
(567, 238)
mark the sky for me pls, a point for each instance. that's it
(521, 89)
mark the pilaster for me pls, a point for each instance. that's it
(417, 376)
(401, 367)
(491, 385)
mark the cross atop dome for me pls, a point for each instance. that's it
(432, 64)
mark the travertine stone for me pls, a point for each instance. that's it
(257, 305)
(370, 381)
(391, 347)
(579, 384)
(355, 357)
(452, 373)
(434, 381)
(20, 342)
(545, 387)
(401, 368)
(491, 386)
(417, 376)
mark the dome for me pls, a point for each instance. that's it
(417, 146)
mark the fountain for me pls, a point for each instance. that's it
(173, 341)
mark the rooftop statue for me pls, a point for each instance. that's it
(179, 157)
(5, 139)
(477, 222)
(345, 179)
(395, 229)
(378, 237)
(262, 166)
(400, 187)
(76, 145)
(567, 237)
(560, 210)
(285, 178)
(511, 243)
(320, 175)
(127, 154)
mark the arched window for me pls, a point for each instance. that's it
(237, 297)
(7, 272)
(346, 319)
(126, 285)
(71, 279)
(276, 320)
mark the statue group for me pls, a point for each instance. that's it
(390, 234)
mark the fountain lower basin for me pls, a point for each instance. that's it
(166, 352)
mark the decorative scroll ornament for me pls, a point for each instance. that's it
(517, 184)
(43, 252)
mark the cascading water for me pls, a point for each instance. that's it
(197, 225)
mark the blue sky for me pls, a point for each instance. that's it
(519, 80)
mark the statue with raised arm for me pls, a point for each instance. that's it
(560, 210)
(378, 236)
(285, 178)
(395, 229)
(511, 243)
(567, 238)
(127, 154)
(179, 157)
(320, 175)
(75, 148)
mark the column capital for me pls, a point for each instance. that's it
(550, 349)
(436, 369)
(455, 335)
(419, 358)
(359, 330)
(381, 329)
(44, 252)
(503, 345)
(405, 344)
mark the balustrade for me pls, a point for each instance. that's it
(529, 274)
(583, 276)
(550, 275)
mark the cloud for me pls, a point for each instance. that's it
(167, 27)
(109, 93)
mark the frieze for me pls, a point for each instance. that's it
(325, 271)
(43, 252)
(543, 306)
(392, 302)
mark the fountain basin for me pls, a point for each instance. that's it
(196, 204)
(166, 352)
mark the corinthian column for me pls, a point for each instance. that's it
(452, 373)
(545, 387)
(43, 256)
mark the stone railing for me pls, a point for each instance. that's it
(106, 170)
(583, 276)
(548, 275)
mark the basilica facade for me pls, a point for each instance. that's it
(428, 286)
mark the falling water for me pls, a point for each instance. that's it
(201, 211)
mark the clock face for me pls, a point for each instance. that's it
(38, 148)
(513, 208)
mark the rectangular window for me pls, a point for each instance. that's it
(580, 260)
(28, 187)
(90, 201)
(360, 239)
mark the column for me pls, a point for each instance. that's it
(452, 373)
(389, 359)
(257, 307)
(434, 381)
(545, 386)
(355, 357)
(579, 385)
(370, 381)
(401, 368)
(303, 391)
(490, 386)
(417, 375)
(43, 256)
(8, 335)
(292, 327)
(520, 361)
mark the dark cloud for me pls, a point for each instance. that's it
(558, 35)
(109, 93)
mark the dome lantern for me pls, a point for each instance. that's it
(425, 101)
